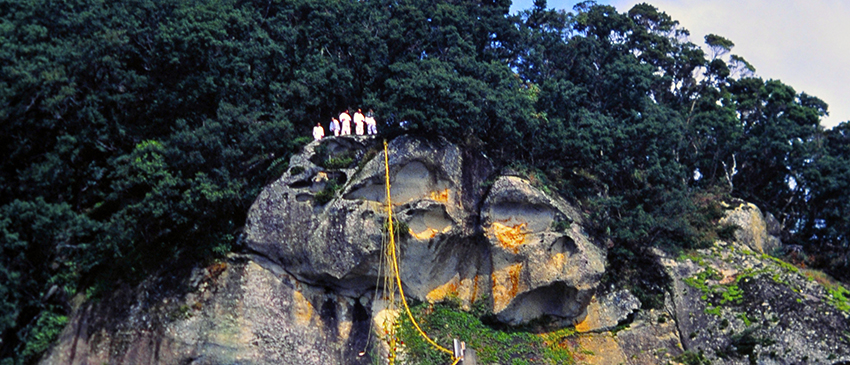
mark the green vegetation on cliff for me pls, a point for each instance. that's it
(138, 133)
(446, 321)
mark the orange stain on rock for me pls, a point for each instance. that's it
(441, 196)
(427, 234)
(511, 237)
(590, 322)
(505, 285)
(474, 288)
(443, 291)
(303, 310)
(514, 275)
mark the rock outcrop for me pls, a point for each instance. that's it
(301, 291)
(512, 244)
(543, 261)
(760, 232)
(239, 312)
(727, 304)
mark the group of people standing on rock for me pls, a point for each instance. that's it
(342, 126)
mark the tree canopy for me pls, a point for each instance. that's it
(138, 133)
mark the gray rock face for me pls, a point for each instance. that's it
(607, 311)
(543, 261)
(737, 305)
(755, 230)
(238, 312)
(338, 243)
(524, 251)
(728, 304)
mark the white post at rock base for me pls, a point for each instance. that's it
(467, 355)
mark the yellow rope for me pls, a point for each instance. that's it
(392, 249)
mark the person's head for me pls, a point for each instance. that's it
(318, 124)
(358, 110)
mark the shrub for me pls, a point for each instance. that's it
(327, 194)
(295, 170)
(692, 358)
(744, 343)
(727, 231)
(560, 225)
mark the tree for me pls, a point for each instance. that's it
(826, 222)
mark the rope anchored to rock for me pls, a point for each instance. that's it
(391, 253)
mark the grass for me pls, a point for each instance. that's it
(712, 310)
(732, 294)
(699, 281)
(493, 344)
(401, 228)
(784, 265)
(838, 294)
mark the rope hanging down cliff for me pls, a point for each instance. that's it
(392, 254)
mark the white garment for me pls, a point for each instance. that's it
(358, 123)
(345, 119)
(371, 125)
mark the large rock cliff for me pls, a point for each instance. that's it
(301, 290)
(508, 242)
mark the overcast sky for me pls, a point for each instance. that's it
(805, 44)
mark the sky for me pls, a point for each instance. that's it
(804, 44)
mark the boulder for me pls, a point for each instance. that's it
(755, 230)
(607, 311)
(338, 243)
(526, 252)
(544, 264)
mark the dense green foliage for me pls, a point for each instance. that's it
(445, 321)
(138, 133)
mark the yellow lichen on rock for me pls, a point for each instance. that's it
(302, 309)
(557, 260)
(505, 285)
(440, 196)
(441, 292)
(598, 349)
(592, 320)
(466, 290)
(469, 289)
(511, 237)
(427, 234)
